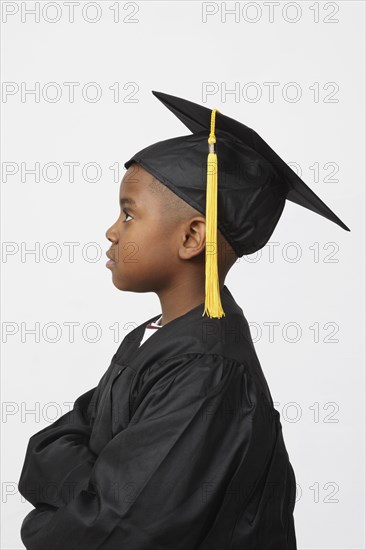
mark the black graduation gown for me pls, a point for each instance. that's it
(178, 447)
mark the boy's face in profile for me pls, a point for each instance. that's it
(142, 246)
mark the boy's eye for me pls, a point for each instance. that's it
(127, 214)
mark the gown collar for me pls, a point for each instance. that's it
(135, 336)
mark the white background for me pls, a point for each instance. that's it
(317, 386)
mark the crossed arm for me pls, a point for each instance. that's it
(158, 483)
(58, 460)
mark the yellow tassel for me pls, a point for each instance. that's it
(213, 307)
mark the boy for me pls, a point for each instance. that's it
(179, 446)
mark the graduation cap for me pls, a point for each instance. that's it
(225, 170)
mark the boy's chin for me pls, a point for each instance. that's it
(121, 283)
(131, 284)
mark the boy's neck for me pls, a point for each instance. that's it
(175, 303)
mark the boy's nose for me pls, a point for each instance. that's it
(111, 234)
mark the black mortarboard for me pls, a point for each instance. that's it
(246, 182)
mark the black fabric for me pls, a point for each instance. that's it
(178, 447)
(253, 181)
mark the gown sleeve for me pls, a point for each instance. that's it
(159, 483)
(58, 459)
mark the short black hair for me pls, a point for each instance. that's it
(176, 210)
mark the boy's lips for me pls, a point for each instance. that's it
(111, 261)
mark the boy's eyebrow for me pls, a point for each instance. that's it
(127, 200)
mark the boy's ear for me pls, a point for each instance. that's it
(193, 238)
